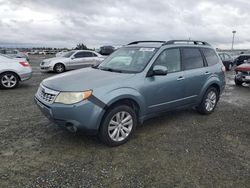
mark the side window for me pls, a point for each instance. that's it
(171, 59)
(93, 55)
(83, 54)
(222, 57)
(191, 58)
(79, 55)
(211, 56)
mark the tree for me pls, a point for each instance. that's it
(81, 47)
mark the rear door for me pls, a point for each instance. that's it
(195, 72)
(82, 59)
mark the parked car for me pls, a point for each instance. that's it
(12, 71)
(242, 73)
(137, 82)
(227, 60)
(106, 50)
(14, 53)
(241, 58)
(74, 59)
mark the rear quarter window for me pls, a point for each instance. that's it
(211, 56)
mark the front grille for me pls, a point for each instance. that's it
(46, 95)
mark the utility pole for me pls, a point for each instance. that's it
(233, 39)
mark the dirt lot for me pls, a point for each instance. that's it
(181, 149)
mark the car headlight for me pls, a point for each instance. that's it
(72, 97)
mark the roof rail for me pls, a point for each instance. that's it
(195, 42)
(147, 41)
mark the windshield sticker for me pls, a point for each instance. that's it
(147, 49)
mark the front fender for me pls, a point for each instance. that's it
(126, 93)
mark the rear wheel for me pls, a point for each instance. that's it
(118, 125)
(59, 68)
(8, 80)
(209, 101)
(237, 82)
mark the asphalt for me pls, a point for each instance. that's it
(179, 149)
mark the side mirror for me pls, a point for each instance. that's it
(73, 57)
(245, 61)
(160, 70)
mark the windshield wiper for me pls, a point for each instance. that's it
(110, 69)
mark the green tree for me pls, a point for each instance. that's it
(81, 47)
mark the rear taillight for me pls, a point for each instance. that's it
(24, 64)
(223, 68)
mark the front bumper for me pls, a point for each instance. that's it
(85, 116)
(46, 68)
(243, 77)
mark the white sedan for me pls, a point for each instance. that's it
(12, 71)
(74, 59)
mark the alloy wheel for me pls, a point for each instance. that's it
(120, 126)
(9, 81)
(210, 101)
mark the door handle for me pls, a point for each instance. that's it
(180, 78)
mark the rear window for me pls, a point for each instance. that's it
(210, 56)
(191, 58)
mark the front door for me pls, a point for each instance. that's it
(165, 92)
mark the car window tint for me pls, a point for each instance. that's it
(171, 59)
(83, 54)
(191, 58)
(210, 56)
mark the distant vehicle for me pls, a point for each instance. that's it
(137, 82)
(59, 54)
(227, 60)
(14, 53)
(106, 50)
(12, 71)
(242, 73)
(240, 59)
(71, 60)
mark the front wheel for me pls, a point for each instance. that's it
(118, 125)
(237, 82)
(59, 68)
(209, 101)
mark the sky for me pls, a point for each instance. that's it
(65, 23)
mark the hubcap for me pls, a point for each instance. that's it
(210, 101)
(120, 126)
(59, 68)
(9, 81)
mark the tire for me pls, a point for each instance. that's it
(111, 132)
(209, 101)
(59, 68)
(237, 82)
(8, 80)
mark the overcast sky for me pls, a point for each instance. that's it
(60, 23)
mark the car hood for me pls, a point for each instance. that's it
(85, 79)
(243, 67)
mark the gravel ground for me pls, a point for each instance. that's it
(180, 149)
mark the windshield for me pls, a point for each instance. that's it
(68, 54)
(129, 60)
